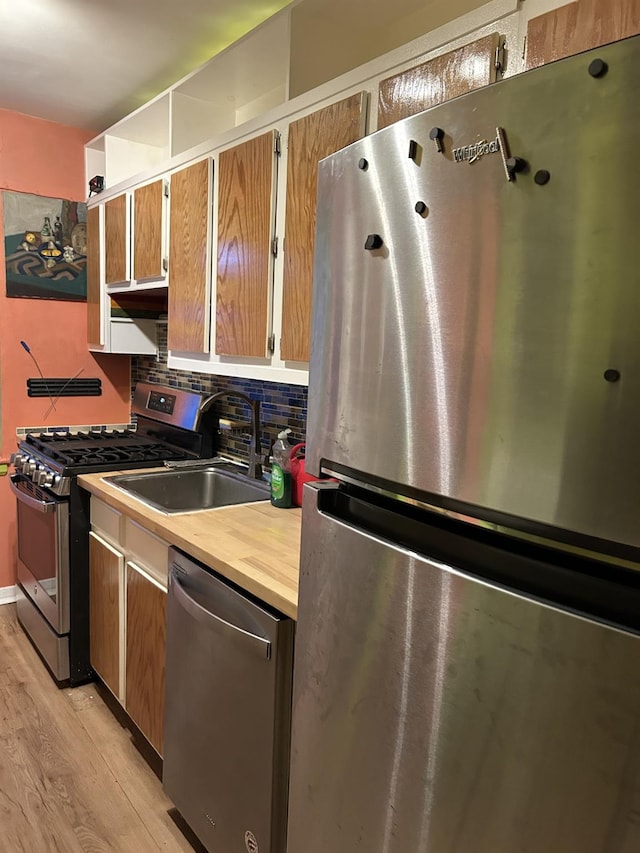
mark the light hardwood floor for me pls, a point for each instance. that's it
(70, 778)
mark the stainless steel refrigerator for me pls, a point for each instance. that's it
(467, 671)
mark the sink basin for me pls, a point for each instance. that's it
(192, 489)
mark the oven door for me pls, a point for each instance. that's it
(43, 550)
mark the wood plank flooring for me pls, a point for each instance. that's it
(71, 779)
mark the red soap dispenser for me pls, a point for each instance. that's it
(299, 475)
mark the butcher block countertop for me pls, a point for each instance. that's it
(254, 545)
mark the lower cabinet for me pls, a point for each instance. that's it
(128, 592)
(145, 659)
(106, 568)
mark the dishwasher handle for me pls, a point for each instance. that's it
(260, 645)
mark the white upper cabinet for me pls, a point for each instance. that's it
(245, 80)
(241, 82)
(133, 145)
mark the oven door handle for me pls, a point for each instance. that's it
(33, 503)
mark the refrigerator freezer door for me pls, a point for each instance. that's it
(434, 712)
(487, 352)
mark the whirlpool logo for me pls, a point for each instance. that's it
(471, 153)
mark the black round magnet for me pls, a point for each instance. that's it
(598, 68)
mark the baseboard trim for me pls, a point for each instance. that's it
(7, 595)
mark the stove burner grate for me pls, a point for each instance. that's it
(64, 436)
(100, 449)
(142, 452)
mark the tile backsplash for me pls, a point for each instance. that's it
(281, 405)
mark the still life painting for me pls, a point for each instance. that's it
(45, 244)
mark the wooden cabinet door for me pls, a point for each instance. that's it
(116, 239)
(95, 304)
(310, 139)
(455, 73)
(106, 573)
(148, 231)
(580, 26)
(246, 187)
(189, 258)
(146, 643)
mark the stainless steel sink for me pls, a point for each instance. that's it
(187, 490)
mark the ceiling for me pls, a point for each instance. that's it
(88, 63)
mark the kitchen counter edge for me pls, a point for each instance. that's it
(255, 546)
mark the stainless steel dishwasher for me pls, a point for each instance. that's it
(227, 711)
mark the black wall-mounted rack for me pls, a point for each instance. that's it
(56, 387)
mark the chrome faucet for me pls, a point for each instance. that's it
(255, 468)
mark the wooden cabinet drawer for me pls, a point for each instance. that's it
(106, 521)
(149, 552)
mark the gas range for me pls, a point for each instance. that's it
(53, 513)
(50, 460)
(171, 425)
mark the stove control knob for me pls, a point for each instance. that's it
(32, 468)
(16, 459)
(45, 478)
(25, 465)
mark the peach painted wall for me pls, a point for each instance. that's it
(45, 158)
